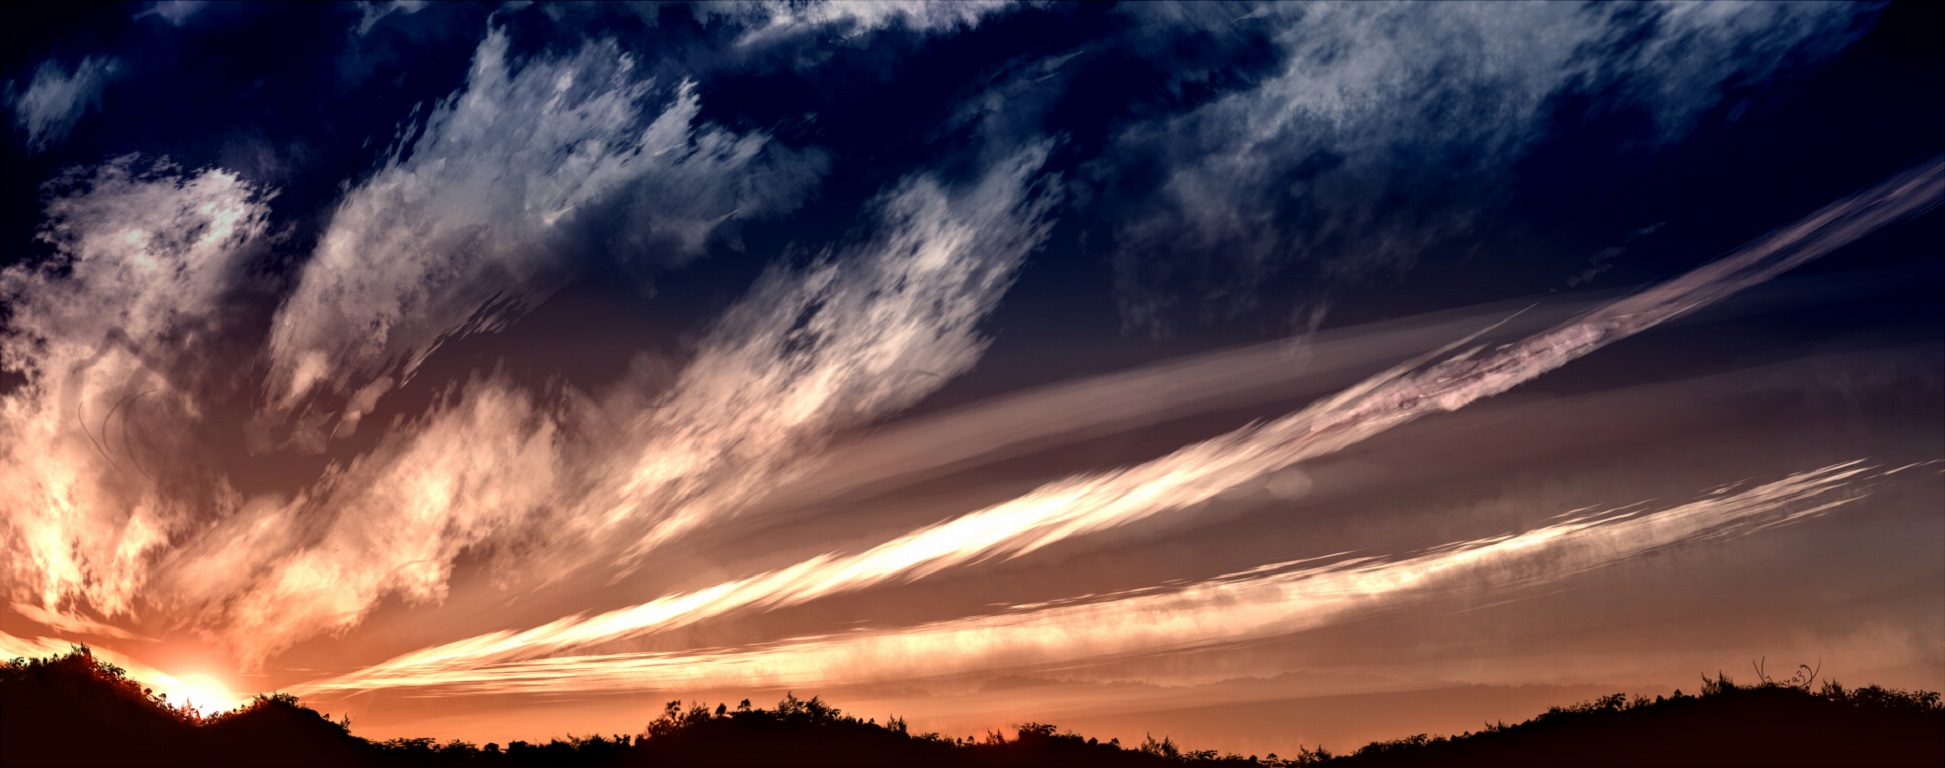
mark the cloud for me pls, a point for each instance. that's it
(847, 339)
(56, 99)
(768, 22)
(545, 481)
(1070, 412)
(1390, 129)
(1199, 472)
(370, 13)
(1274, 599)
(108, 334)
(176, 12)
(479, 213)
(1603, 259)
(487, 464)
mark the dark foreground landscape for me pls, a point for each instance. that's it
(78, 710)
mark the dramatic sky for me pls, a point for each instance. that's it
(1258, 375)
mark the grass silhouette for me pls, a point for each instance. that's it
(77, 710)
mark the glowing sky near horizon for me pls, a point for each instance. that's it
(433, 362)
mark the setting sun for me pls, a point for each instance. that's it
(200, 692)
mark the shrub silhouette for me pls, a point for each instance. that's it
(77, 710)
(1773, 723)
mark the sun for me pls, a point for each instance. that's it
(200, 692)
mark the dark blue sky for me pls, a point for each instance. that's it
(294, 97)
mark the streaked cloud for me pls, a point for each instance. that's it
(735, 344)
(766, 22)
(858, 333)
(477, 213)
(850, 338)
(1274, 599)
(370, 13)
(1073, 411)
(391, 523)
(1198, 473)
(58, 97)
(176, 12)
(110, 335)
(1387, 130)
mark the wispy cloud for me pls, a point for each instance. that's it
(768, 22)
(57, 98)
(478, 212)
(111, 336)
(858, 333)
(1388, 129)
(850, 338)
(1199, 472)
(138, 353)
(1275, 599)
(1073, 411)
(370, 13)
(176, 12)
(391, 523)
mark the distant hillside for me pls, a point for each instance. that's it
(1728, 725)
(76, 710)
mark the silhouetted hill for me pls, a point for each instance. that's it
(75, 710)
(1763, 725)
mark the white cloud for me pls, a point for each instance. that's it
(390, 523)
(176, 12)
(1391, 128)
(767, 22)
(1197, 473)
(369, 13)
(56, 99)
(847, 339)
(144, 254)
(1271, 600)
(857, 334)
(1069, 412)
(475, 219)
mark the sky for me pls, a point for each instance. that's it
(1258, 375)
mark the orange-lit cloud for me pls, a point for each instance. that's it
(855, 336)
(1199, 472)
(145, 252)
(852, 337)
(1274, 599)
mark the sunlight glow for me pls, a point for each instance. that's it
(200, 692)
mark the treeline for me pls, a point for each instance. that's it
(76, 710)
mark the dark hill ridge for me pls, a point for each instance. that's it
(77, 710)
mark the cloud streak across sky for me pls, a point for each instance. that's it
(1200, 472)
(1274, 599)
(57, 98)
